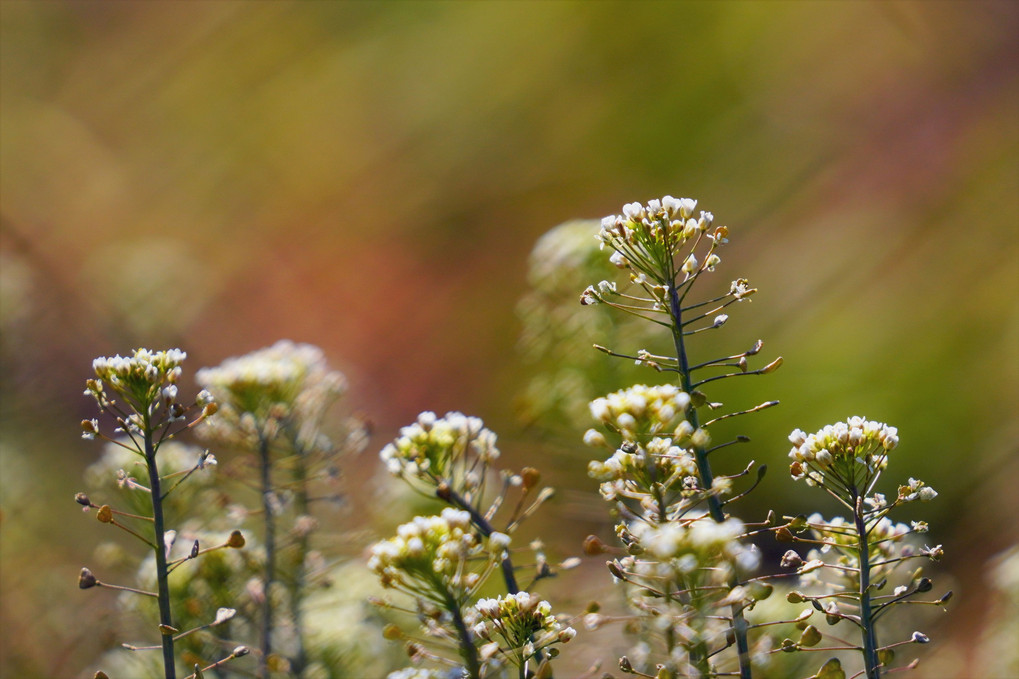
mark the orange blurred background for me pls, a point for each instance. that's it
(370, 177)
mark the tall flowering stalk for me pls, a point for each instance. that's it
(273, 403)
(852, 560)
(143, 402)
(443, 561)
(660, 475)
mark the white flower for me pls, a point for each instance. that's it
(499, 540)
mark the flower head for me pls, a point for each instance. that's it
(138, 378)
(286, 381)
(640, 411)
(434, 447)
(839, 447)
(522, 624)
(429, 555)
(650, 237)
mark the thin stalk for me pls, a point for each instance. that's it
(270, 557)
(739, 622)
(485, 528)
(468, 652)
(159, 535)
(870, 646)
(301, 500)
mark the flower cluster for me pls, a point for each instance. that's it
(694, 543)
(147, 459)
(633, 468)
(646, 237)
(838, 447)
(681, 575)
(429, 555)
(640, 411)
(523, 622)
(416, 673)
(145, 380)
(432, 446)
(285, 383)
(858, 556)
(143, 369)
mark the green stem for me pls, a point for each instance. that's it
(297, 595)
(739, 622)
(485, 528)
(159, 534)
(467, 650)
(270, 557)
(870, 647)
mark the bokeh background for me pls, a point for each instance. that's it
(371, 176)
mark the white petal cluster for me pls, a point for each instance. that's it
(916, 490)
(431, 445)
(139, 377)
(641, 411)
(658, 218)
(633, 468)
(701, 543)
(521, 621)
(645, 237)
(428, 550)
(415, 673)
(856, 440)
(143, 362)
(285, 381)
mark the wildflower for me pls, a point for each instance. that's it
(522, 624)
(741, 289)
(138, 378)
(415, 673)
(593, 437)
(916, 490)
(699, 543)
(89, 429)
(429, 553)
(431, 447)
(648, 237)
(641, 410)
(254, 392)
(837, 447)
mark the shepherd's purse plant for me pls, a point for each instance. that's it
(460, 592)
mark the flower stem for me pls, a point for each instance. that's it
(162, 579)
(870, 658)
(739, 622)
(301, 504)
(485, 528)
(270, 557)
(468, 652)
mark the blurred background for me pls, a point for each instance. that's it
(371, 178)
